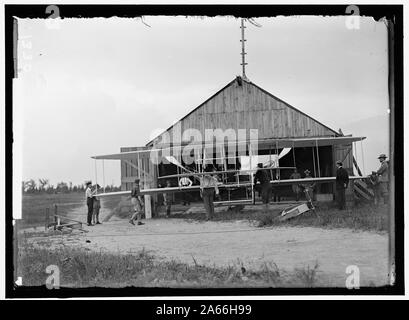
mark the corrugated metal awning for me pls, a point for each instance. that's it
(307, 142)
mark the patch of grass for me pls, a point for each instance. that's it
(308, 275)
(364, 217)
(229, 215)
(81, 268)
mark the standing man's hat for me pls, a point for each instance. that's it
(339, 162)
(88, 183)
(137, 180)
(382, 156)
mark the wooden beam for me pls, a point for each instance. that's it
(361, 193)
(356, 166)
(364, 186)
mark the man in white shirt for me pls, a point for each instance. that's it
(90, 202)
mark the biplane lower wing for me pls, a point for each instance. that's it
(170, 190)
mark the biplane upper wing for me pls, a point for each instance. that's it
(311, 180)
(278, 143)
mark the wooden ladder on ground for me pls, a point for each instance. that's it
(361, 188)
(58, 222)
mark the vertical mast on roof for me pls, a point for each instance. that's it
(243, 53)
(243, 47)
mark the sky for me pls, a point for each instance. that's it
(90, 86)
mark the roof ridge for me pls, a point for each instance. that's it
(239, 79)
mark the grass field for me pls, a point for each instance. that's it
(360, 217)
(34, 206)
(80, 268)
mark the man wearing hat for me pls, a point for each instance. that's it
(308, 186)
(137, 202)
(295, 186)
(383, 174)
(89, 194)
(341, 183)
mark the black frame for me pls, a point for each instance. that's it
(393, 13)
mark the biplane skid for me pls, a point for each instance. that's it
(295, 211)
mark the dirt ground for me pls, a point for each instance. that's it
(238, 242)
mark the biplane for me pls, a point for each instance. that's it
(234, 164)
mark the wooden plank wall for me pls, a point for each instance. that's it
(248, 107)
(344, 153)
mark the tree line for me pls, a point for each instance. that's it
(43, 186)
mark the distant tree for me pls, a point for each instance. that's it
(30, 186)
(51, 189)
(70, 186)
(62, 187)
(42, 184)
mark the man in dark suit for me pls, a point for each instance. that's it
(341, 183)
(265, 186)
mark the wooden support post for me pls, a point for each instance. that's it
(318, 158)
(55, 216)
(356, 166)
(147, 198)
(148, 207)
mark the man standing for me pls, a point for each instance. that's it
(208, 185)
(96, 205)
(89, 194)
(308, 186)
(275, 190)
(266, 188)
(137, 203)
(295, 186)
(383, 179)
(341, 183)
(185, 182)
